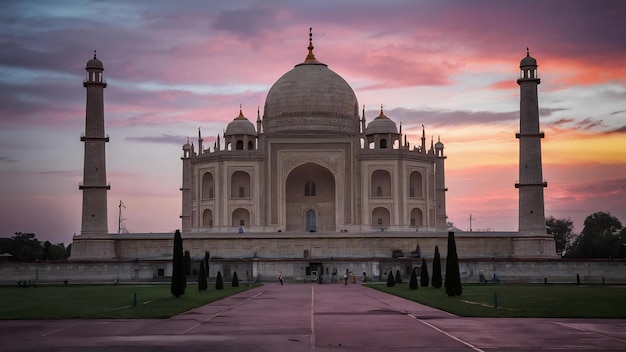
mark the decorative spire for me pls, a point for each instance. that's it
(527, 52)
(382, 114)
(311, 56)
(240, 117)
(94, 54)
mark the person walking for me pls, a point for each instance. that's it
(281, 277)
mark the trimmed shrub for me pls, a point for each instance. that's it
(453, 276)
(207, 256)
(413, 280)
(219, 283)
(398, 277)
(179, 280)
(235, 281)
(390, 280)
(436, 281)
(187, 263)
(424, 279)
(202, 284)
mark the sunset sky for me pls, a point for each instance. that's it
(175, 66)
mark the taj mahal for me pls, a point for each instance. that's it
(310, 185)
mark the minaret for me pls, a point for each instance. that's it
(200, 150)
(186, 187)
(441, 217)
(259, 122)
(531, 184)
(94, 185)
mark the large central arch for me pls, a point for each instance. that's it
(310, 196)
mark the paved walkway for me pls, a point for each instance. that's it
(302, 317)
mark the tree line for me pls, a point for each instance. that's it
(603, 236)
(27, 248)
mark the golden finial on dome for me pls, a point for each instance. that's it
(382, 114)
(310, 57)
(240, 117)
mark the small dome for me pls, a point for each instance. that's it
(240, 126)
(187, 146)
(528, 60)
(381, 124)
(95, 63)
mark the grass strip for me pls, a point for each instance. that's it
(521, 300)
(104, 301)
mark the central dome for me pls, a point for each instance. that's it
(311, 99)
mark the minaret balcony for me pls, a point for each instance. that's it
(102, 83)
(530, 135)
(84, 138)
(520, 185)
(82, 186)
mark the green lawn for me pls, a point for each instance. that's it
(518, 300)
(104, 301)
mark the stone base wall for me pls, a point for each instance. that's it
(78, 272)
(317, 245)
(301, 270)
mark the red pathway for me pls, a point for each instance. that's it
(304, 317)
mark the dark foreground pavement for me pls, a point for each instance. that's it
(301, 317)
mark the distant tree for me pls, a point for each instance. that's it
(219, 283)
(391, 282)
(398, 277)
(179, 281)
(25, 247)
(563, 232)
(202, 284)
(45, 251)
(622, 248)
(6, 245)
(453, 276)
(413, 280)
(235, 281)
(424, 279)
(68, 251)
(601, 237)
(53, 251)
(437, 281)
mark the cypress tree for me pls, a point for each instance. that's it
(187, 263)
(436, 281)
(390, 280)
(453, 276)
(207, 256)
(398, 277)
(235, 282)
(424, 279)
(202, 284)
(179, 281)
(413, 281)
(219, 284)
